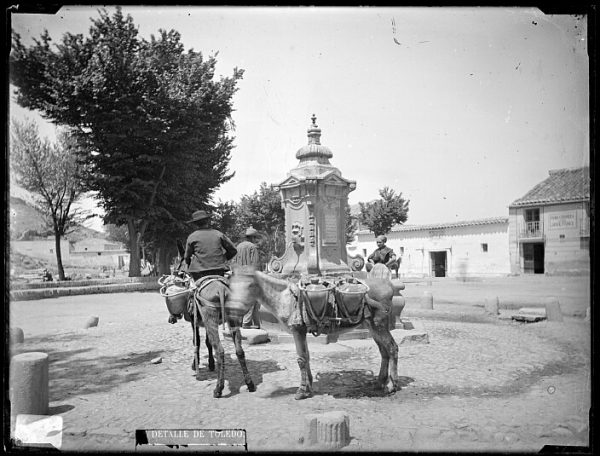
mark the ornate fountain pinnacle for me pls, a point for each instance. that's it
(314, 132)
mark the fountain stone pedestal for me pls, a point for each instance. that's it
(315, 197)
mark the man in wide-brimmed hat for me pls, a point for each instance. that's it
(248, 256)
(207, 250)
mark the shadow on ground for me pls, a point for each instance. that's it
(72, 376)
(74, 373)
(352, 384)
(233, 372)
(519, 385)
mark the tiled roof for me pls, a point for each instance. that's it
(561, 186)
(487, 221)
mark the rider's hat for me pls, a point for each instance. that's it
(251, 232)
(199, 215)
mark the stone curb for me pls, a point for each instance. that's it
(28, 295)
(82, 283)
(465, 317)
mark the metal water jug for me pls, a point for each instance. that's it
(350, 294)
(317, 294)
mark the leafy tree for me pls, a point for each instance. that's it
(224, 219)
(380, 215)
(264, 212)
(351, 225)
(51, 172)
(154, 121)
(117, 233)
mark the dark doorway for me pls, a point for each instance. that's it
(438, 264)
(533, 258)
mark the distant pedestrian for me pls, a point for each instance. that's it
(47, 276)
(248, 256)
(207, 250)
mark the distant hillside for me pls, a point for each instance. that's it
(24, 217)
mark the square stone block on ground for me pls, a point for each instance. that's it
(410, 337)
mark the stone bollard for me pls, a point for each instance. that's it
(492, 306)
(553, 312)
(16, 336)
(398, 303)
(29, 384)
(427, 301)
(330, 430)
(91, 322)
(309, 436)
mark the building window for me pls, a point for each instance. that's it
(532, 215)
(51, 250)
(401, 251)
(532, 223)
(99, 253)
(365, 252)
(584, 243)
(484, 247)
(561, 237)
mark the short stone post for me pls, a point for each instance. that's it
(309, 436)
(492, 306)
(28, 387)
(553, 312)
(427, 301)
(330, 430)
(16, 336)
(398, 303)
(91, 322)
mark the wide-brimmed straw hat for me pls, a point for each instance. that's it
(251, 232)
(199, 215)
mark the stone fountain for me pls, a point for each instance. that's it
(315, 196)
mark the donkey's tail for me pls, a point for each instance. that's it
(222, 301)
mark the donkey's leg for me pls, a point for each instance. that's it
(389, 354)
(305, 389)
(196, 336)
(210, 317)
(211, 358)
(241, 356)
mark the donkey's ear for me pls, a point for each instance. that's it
(180, 248)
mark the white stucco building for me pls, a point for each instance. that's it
(454, 249)
(550, 225)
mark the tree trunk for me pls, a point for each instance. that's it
(134, 250)
(164, 260)
(59, 264)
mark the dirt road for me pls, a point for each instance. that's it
(495, 385)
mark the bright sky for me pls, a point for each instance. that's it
(462, 110)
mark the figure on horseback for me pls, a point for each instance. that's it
(206, 254)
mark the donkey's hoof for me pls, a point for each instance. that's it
(194, 365)
(301, 394)
(211, 366)
(217, 393)
(391, 388)
(251, 387)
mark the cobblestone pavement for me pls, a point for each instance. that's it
(475, 386)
